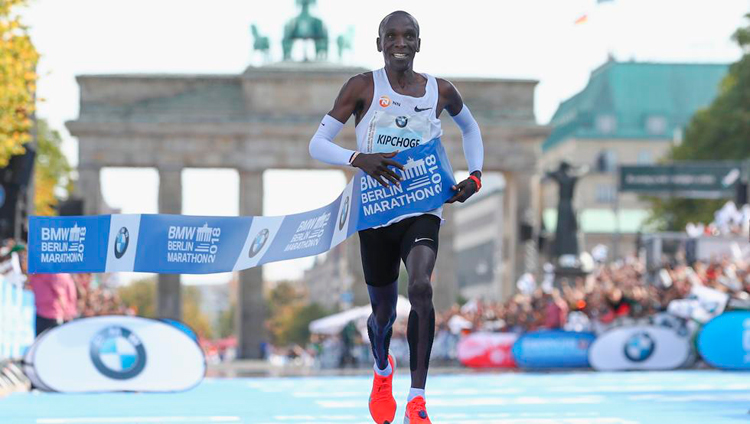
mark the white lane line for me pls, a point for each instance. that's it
(486, 401)
(433, 393)
(138, 420)
(598, 420)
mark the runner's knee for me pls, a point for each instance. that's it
(420, 289)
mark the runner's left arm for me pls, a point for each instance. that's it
(472, 140)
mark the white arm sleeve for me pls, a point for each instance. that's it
(472, 136)
(322, 146)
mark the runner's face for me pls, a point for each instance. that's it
(399, 43)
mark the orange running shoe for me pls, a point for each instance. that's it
(382, 403)
(416, 412)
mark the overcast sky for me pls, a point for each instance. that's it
(528, 39)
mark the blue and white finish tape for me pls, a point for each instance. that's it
(201, 245)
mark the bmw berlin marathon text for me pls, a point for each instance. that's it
(62, 245)
(194, 245)
(420, 179)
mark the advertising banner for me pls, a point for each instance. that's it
(639, 348)
(115, 353)
(553, 349)
(201, 245)
(725, 341)
(487, 350)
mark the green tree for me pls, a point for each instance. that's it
(290, 315)
(719, 132)
(192, 314)
(51, 169)
(141, 296)
(18, 59)
(226, 325)
(295, 326)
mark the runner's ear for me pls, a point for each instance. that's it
(377, 41)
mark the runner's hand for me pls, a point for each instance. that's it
(377, 165)
(466, 189)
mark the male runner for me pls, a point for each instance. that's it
(396, 108)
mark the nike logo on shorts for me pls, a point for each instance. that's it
(416, 109)
(423, 238)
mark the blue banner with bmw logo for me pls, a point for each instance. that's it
(553, 349)
(725, 341)
(200, 245)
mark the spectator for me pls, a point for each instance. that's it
(55, 299)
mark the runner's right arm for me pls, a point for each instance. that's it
(351, 100)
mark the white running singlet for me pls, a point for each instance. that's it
(397, 122)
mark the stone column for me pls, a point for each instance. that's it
(251, 311)
(89, 187)
(519, 198)
(444, 278)
(168, 292)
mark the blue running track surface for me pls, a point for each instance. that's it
(705, 397)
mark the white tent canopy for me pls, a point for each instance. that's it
(333, 324)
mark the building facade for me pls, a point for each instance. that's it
(630, 113)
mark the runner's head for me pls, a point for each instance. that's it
(398, 40)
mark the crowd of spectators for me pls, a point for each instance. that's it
(618, 293)
(60, 297)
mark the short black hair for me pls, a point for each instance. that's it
(398, 12)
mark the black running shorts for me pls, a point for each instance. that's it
(384, 248)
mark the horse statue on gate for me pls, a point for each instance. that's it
(344, 42)
(306, 27)
(260, 43)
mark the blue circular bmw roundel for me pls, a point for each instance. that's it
(117, 353)
(639, 347)
(121, 242)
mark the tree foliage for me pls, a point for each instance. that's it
(226, 324)
(291, 314)
(51, 169)
(719, 132)
(141, 296)
(18, 59)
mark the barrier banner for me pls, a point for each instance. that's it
(17, 318)
(115, 353)
(553, 349)
(200, 245)
(487, 350)
(725, 341)
(644, 347)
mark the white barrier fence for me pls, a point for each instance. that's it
(17, 317)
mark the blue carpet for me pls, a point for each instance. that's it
(570, 398)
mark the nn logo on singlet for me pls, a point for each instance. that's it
(386, 101)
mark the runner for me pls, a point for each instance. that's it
(396, 108)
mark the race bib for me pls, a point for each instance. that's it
(388, 133)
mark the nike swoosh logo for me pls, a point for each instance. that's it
(423, 238)
(416, 109)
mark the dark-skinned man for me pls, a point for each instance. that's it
(395, 108)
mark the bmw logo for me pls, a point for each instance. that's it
(401, 121)
(117, 353)
(639, 347)
(259, 242)
(121, 242)
(344, 214)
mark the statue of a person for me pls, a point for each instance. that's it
(566, 233)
